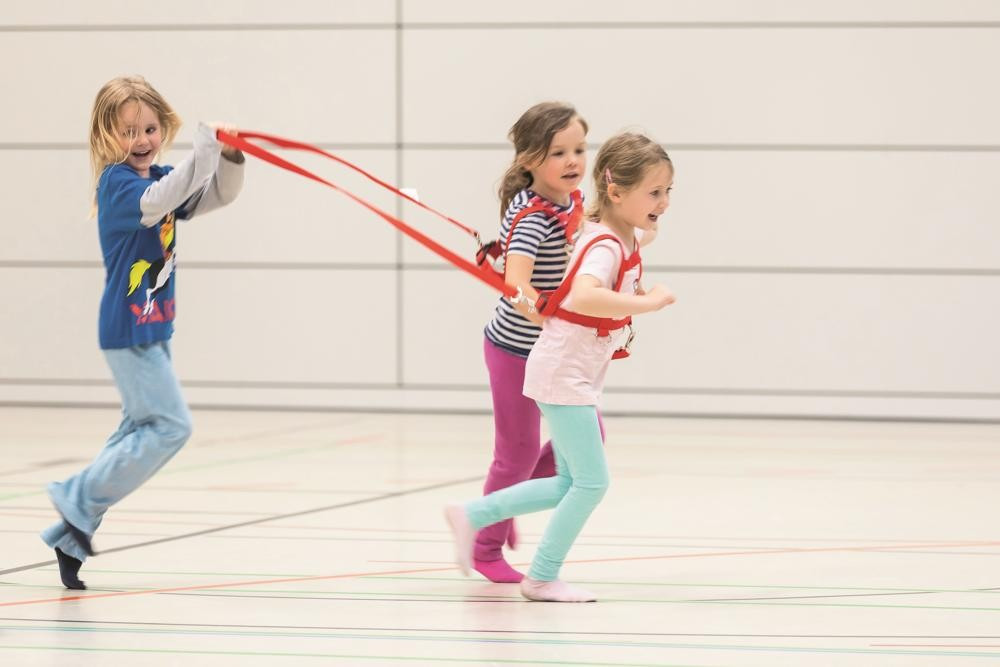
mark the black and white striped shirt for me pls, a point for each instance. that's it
(543, 238)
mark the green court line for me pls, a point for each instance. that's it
(464, 579)
(201, 490)
(349, 656)
(107, 534)
(316, 595)
(594, 582)
(818, 604)
(408, 540)
(373, 636)
(329, 594)
(116, 589)
(589, 582)
(460, 597)
(495, 640)
(270, 575)
(320, 538)
(336, 595)
(199, 574)
(427, 540)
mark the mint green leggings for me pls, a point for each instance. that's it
(579, 484)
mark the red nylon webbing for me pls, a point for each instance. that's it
(239, 140)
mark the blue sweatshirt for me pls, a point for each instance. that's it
(136, 220)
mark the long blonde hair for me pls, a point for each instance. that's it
(531, 136)
(623, 160)
(104, 130)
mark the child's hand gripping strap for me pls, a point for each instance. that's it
(240, 140)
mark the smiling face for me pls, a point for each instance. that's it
(642, 205)
(139, 135)
(559, 173)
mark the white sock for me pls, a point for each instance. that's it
(554, 591)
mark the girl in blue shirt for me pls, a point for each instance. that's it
(138, 203)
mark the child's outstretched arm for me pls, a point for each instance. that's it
(226, 182)
(590, 297)
(189, 176)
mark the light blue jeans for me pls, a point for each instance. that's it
(581, 481)
(155, 424)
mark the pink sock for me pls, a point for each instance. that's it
(497, 571)
(554, 591)
(464, 535)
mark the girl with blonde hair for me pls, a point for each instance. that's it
(137, 203)
(590, 318)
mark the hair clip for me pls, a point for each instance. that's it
(607, 175)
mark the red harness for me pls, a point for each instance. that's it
(240, 140)
(492, 256)
(548, 303)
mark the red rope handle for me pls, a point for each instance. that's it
(239, 140)
(298, 145)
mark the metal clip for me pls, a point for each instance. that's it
(628, 341)
(521, 298)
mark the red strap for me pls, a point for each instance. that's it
(566, 285)
(298, 145)
(604, 325)
(239, 140)
(523, 213)
(570, 221)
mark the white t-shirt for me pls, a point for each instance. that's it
(568, 363)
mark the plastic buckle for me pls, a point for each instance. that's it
(490, 254)
(481, 252)
(542, 302)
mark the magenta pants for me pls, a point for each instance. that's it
(518, 453)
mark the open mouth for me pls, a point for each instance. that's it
(571, 176)
(141, 154)
(653, 217)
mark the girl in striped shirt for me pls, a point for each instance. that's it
(565, 372)
(550, 160)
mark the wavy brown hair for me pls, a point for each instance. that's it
(531, 135)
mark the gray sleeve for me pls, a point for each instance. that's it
(189, 176)
(226, 183)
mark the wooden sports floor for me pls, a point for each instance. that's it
(298, 538)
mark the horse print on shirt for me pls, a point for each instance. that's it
(155, 274)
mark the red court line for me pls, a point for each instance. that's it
(259, 582)
(319, 577)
